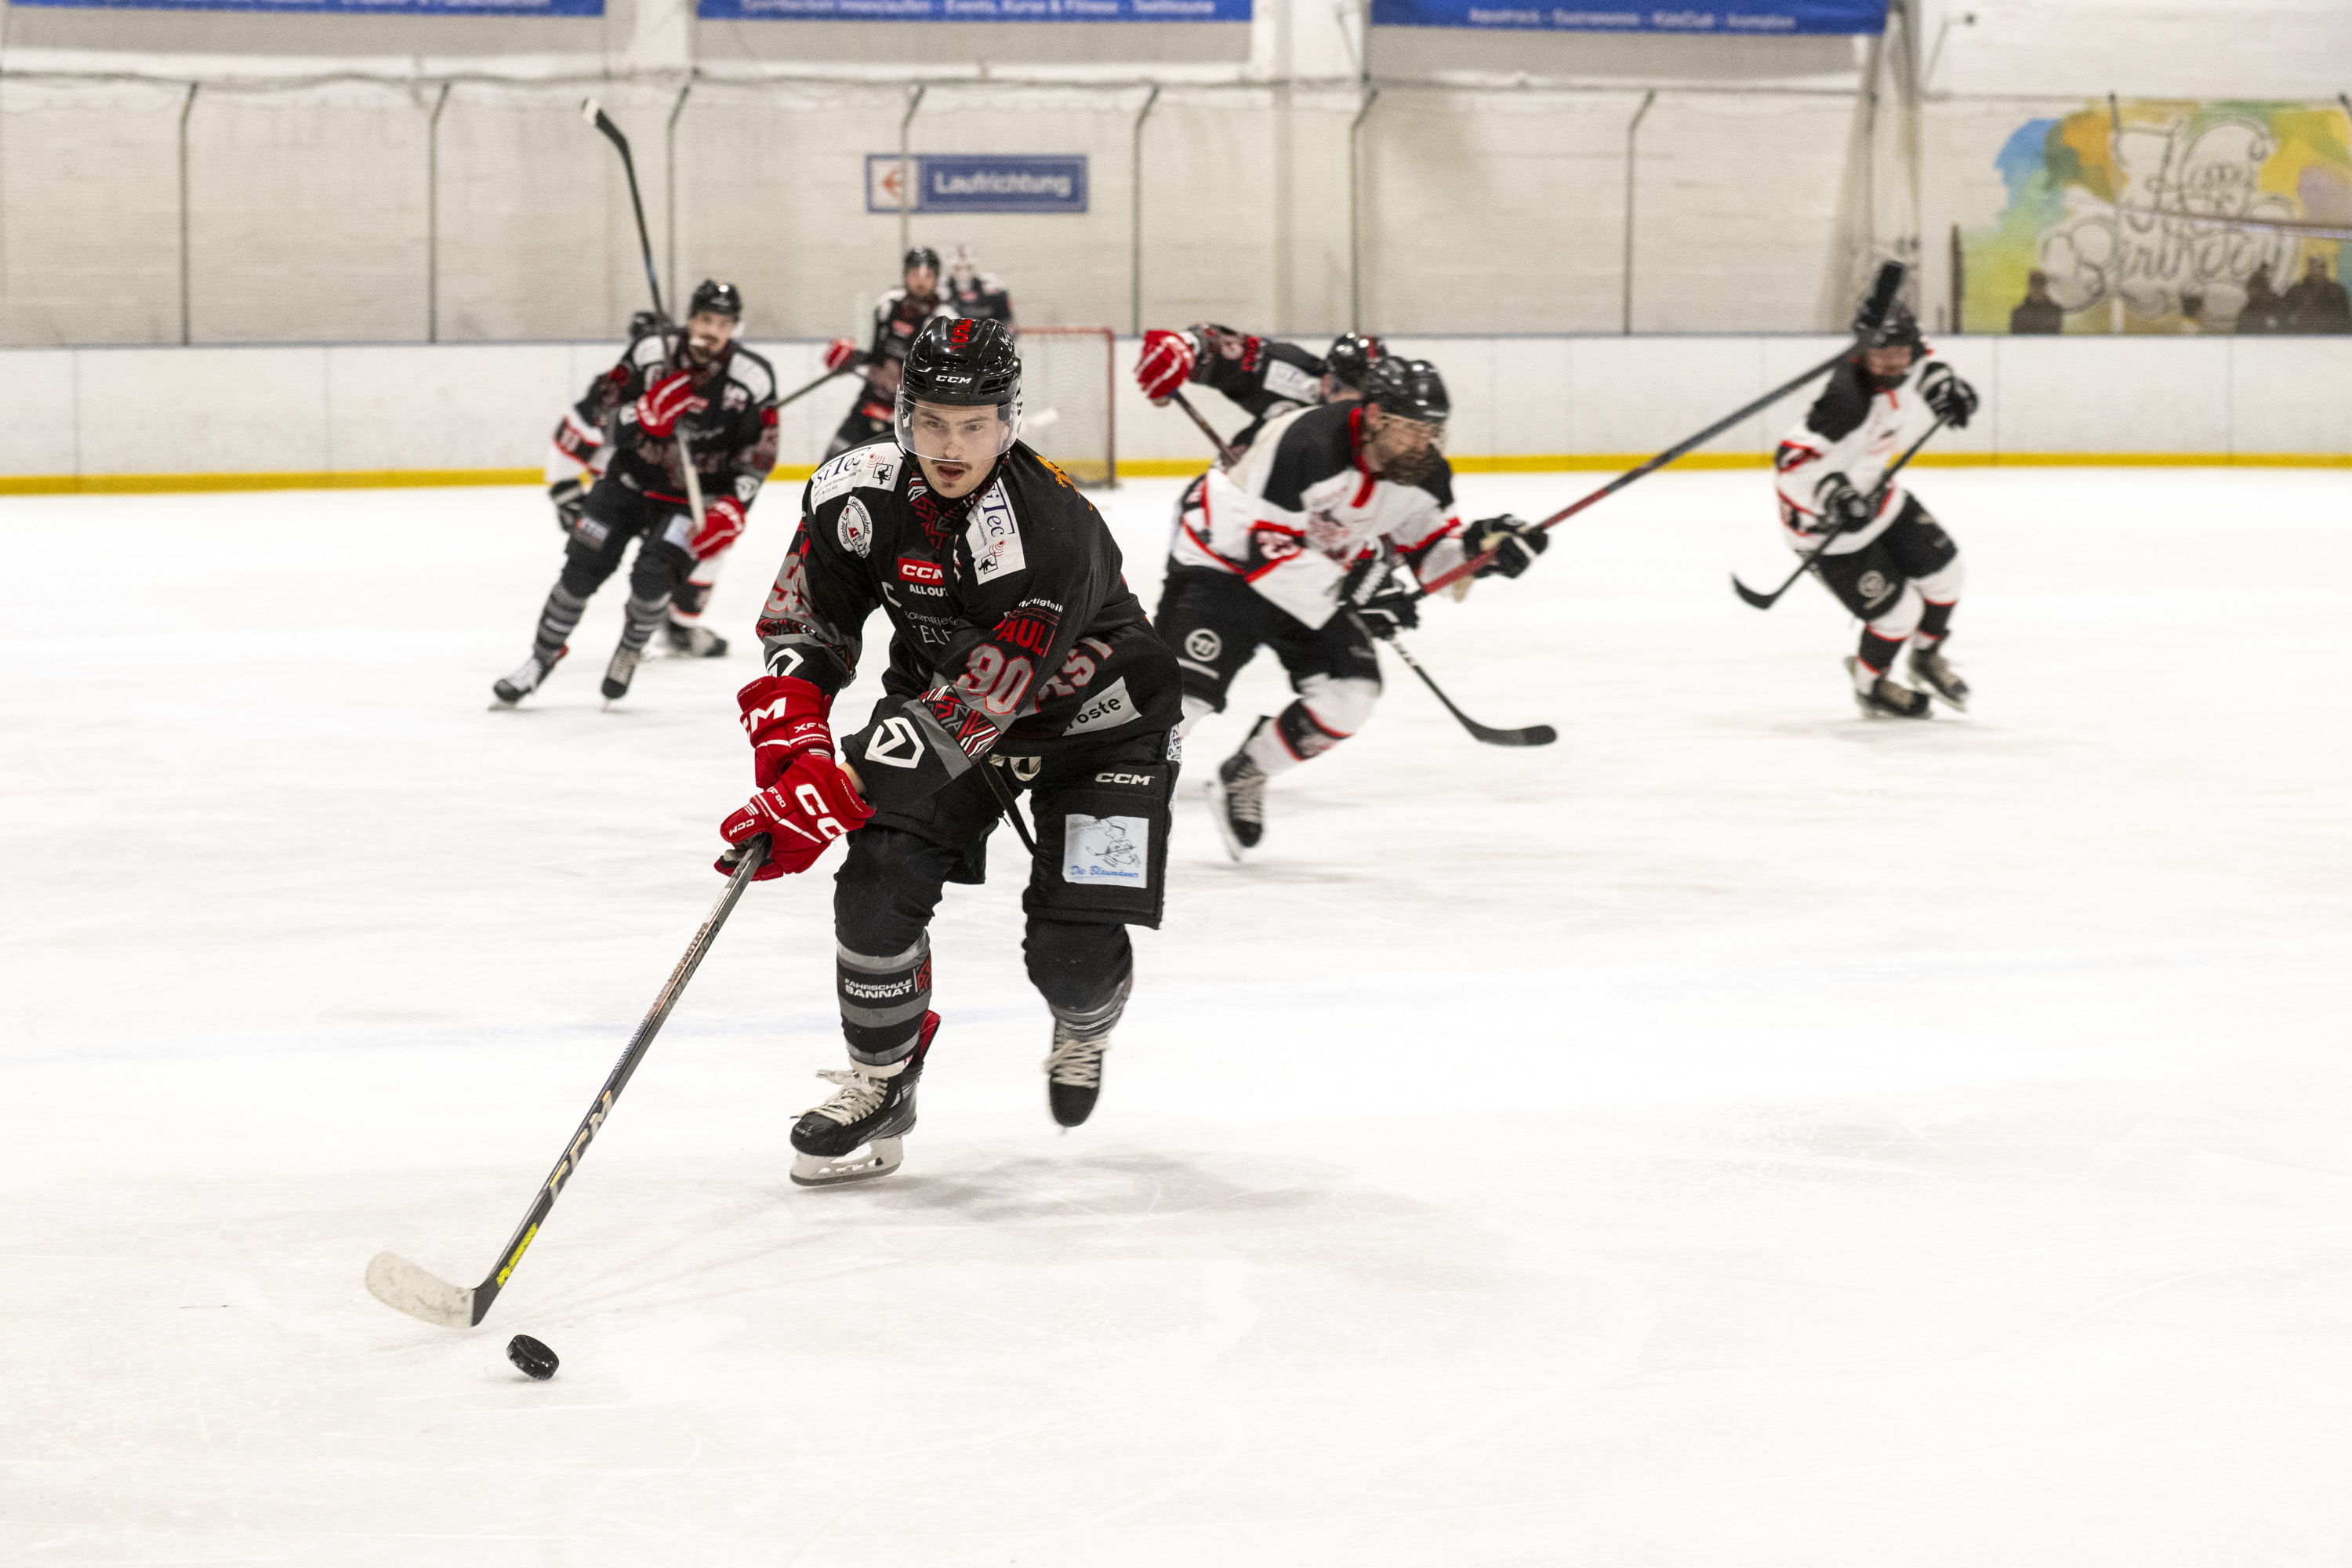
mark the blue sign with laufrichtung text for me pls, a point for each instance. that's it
(348, 7)
(1762, 19)
(973, 10)
(978, 182)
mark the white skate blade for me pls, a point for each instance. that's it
(400, 1284)
(1217, 816)
(875, 1160)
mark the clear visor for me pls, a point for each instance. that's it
(957, 432)
(1411, 433)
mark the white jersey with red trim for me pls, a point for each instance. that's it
(1855, 428)
(1301, 506)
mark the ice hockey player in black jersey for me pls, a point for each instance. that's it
(711, 396)
(576, 456)
(898, 317)
(1019, 662)
(1295, 549)
(977, 294)
(1887, 559)
(1264, 378)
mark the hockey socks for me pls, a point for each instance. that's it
(557, 620)
(883, 1000)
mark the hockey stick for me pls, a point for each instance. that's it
(1812, 558)
(1226, 455)
(594, 113)
(820, 381)
(396, 1282)
(1881, 295)
(1533, 735)
(1012, 812)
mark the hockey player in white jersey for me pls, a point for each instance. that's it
(1294, 549)
(1885, 559)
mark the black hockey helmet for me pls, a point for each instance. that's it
(1898, 328)
(718, 298)
(1408, 388)
(643, 325)
(1350, 358)
(921, 256)
(962, 361)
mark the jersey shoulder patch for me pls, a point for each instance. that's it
(647, 353)
(995, 535)
(872, 467)
(1293, 381)
(756, 375)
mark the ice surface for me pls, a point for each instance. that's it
(1737, 1134)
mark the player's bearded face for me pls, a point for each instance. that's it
(708, 334)
(1405, 450)
(922, 282)
(1889, 364)
(956, 446)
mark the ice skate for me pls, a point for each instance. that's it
(1931, 670)
(621, 672)
(1074, 1063)
(873, 1109)
(1237, 802)
(1885, 699)
(693, 642)
(528, 677)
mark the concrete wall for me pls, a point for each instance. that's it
(366, 410)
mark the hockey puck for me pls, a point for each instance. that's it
(534, 1360)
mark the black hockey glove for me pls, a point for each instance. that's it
(1390, 613)
(1515, 542)
(1952, 399)
(571, 498)
(1844, 509)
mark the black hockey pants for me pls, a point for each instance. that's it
(1102, 814)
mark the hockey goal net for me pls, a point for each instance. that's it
(1066, 402)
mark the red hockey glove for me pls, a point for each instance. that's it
(806, 809)
(786, 718)
(659, 409)
(838, 354)
(722, 524)
(1165, 364)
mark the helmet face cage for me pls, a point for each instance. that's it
(903, 418)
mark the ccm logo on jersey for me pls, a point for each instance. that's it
(1145, 780)
(913, 571)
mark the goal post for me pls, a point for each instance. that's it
(1069, 399)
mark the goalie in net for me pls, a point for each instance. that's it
(1066, 384)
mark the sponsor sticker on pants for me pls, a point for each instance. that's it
(1107, 850)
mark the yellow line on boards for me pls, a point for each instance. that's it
(1143, 468)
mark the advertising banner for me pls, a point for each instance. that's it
(1765, 18)
(979, 183)
(973, 10)
(2181, 214)
(347, 7)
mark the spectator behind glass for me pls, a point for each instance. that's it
(2192, 312)
(2260, 314)
(2037, 312)
(2317, 303)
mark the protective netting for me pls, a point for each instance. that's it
(1066, 399)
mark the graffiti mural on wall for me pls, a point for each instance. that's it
(2180, 169)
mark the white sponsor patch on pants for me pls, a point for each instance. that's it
(1107, 850)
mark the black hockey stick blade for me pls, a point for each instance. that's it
(1533, 735)
(1883, 291)
(594, 113)
(1766, 601)
(423, 1295)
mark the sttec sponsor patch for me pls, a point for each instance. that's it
(874, 467)
(1111, 708)
(994, 536)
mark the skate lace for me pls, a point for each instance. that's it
(858, 1097)
(1074, 1063)
(1245, 795)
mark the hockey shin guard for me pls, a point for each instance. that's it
(643, 615)
(1940, 593)
(1083, 971)
(557, 620)
(883, 1000)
